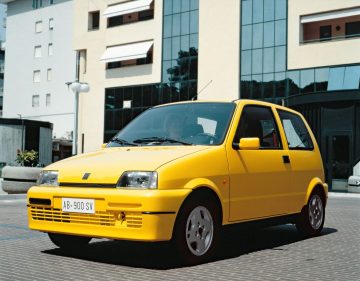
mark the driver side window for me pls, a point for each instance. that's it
(259, 122)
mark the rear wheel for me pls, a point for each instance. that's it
(69, 242)
(196, 230)
(311, 220)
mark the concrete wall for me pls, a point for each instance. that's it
(45, 146)
(321, 53)
(10, 142)
(219, 49)
(91, 111)
(356, 171)
(20, 64)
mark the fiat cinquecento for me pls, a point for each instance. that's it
(179, 172)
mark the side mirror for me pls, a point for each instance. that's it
(103, 145)
(249, 144)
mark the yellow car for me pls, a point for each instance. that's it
(179, 172)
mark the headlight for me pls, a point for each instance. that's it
(48, 178)
(138, 179)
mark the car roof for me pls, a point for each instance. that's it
(237, 102)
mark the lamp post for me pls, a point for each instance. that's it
(22, 132)
(77, 88)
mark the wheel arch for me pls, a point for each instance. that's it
(318, 185)
(205, 189)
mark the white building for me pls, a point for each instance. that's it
(39, 61)
(2, 53)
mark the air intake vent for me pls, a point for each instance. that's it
(40, 201)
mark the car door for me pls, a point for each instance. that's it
(259, 179)
(304, 156)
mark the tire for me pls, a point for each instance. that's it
(311, 220)
(196, 231)
(69, 242)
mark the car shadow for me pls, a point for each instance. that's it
(234, 241)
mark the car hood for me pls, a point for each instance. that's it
(107, 165)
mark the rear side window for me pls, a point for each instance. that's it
(296, 132)
(258, 122)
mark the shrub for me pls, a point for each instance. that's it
(28, 158)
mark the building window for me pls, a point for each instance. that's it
(51, 2)
(50, 49)
(94, 20)
(119, 111)
(143, 15)
(352, 29)
(51, 24)
(36, 4)
(37, 52)
(180, 47)
(38, 26)
(48, 100)
(49, 74)
(35, 100)
(36, 76)
(325, 32)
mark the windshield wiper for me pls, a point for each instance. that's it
(123, 142)
(160, 140)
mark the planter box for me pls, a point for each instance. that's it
(19, 179)
(354, 184)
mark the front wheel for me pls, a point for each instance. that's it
(196, 231)
(69, 242)
(311, 220)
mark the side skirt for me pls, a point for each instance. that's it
(262, 223)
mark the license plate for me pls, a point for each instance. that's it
(76, 205)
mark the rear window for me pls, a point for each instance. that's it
(297, 135)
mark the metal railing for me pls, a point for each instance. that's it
(333, 38)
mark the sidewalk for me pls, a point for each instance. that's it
(343, 195)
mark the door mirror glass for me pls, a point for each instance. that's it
(249, 143)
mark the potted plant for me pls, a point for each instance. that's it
(18, 179)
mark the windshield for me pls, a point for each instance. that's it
(178, 124)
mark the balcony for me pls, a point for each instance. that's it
(330, 26)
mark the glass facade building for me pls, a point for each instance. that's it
(264, 74)
(179, 69)
(328, 97)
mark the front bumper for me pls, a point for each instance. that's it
(139, 215)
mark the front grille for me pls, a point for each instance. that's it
(132, 220)
(56, 215)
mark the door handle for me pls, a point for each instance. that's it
(286, 159)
